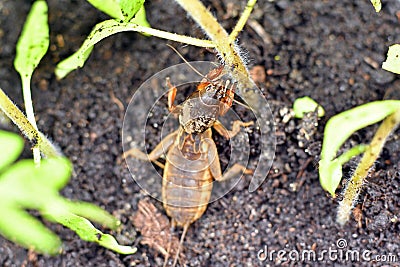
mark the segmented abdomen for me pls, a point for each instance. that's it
(185, 193)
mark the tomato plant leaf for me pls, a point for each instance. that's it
(11, 143)
(20, 227)
(93, 213)
(99, 32)
(110, 7)
(88, 232)
(129, 8)
(23, 186)
(34, 40)
(140, 19)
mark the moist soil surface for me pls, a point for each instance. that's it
(328, 50)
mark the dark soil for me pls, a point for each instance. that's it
(329, 50)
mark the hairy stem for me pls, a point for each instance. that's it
(371, 154)
(217, 34)
(26, 127)
(225, 45)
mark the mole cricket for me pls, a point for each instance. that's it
(192, 160)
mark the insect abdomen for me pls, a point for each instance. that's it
(185, 194)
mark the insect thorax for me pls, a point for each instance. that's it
(199, 124)
(196, 116)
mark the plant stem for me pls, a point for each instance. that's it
(228, 50)
(129, 26)
(26, 91)
(217, 34)
(41, 142)
(242, 20)
(169, 36)
(371, 154)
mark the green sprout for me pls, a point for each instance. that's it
(305, 105)
(25, 186)
(337, 130)
(340, 127)
(31, 47)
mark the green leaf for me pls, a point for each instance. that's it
(35, 188)
(11, 143)
(94, 213)
(20, 227)
(377, 5)
(88, 232)
(21, 188)
(110, 7)
(26, 186)
(339, 128)
(99, 32)
(392, 62)
(305, 105)
(129, 8)
(76, 60)
(34, 40)
(140, 19)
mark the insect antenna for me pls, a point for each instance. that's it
(185, 228)
(180, 55)
(241, 104)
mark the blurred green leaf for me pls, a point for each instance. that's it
(21, 187)
(24, 186)
(34, 40)
(306, 104)
(20, 227)
(110, 7)
(339, 128)
(392, 62)
(377, 5)
(129, 8)
(11, 143)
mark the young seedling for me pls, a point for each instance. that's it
(224, 43)
(23, 185)
(337, 130)
(340, 127)
(31, 47)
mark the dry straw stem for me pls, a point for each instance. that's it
(41, 142)
(370, 155)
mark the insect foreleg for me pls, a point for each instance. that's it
(161, 149)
